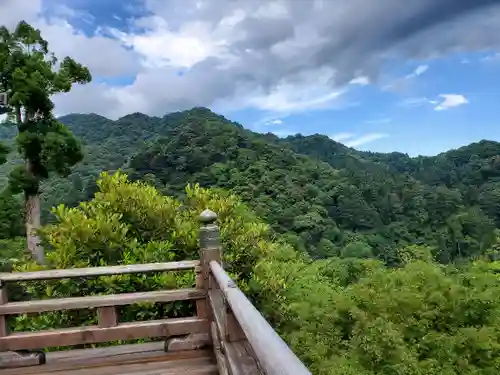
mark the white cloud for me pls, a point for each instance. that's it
(451, 101)
(309, 92)
(416, 102)
(160, 46)
(405, 82)
(364, 139)
(280, 56)
(289, 100)
(283, 133)
(419, 70)
(361, 81)
(11, 12)
(264, 123)
(339, 137)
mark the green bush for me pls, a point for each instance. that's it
(130, 223)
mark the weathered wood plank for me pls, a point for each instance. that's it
(3, 319)
(118, 355)
(93, 334)
(201, 304)
(240, 361)
(233, 329)
(121, 351)
(90, 364)
(217, 347)
(15, 359)
(273, 354)
(193, 341)
(210, 249)
(8, 277)
(100, 301)
(107, 316)
(192, 367)
(217, 308)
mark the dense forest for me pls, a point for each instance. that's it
(325, 198)
(365, 263)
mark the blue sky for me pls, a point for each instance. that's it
(281, 67)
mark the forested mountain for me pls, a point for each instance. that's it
(326, 198)
(473, 170)
(108, 145)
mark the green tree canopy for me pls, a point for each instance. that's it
(30, 75)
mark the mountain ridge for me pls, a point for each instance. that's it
(325, 197)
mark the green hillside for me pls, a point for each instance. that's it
(328, 199)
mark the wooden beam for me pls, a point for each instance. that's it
(217, 347)
(93, 334)
(201, 304)
(73, 303)
(107, 316)
(8, 277)
(233, 329)
(4, 331)
(193, 341)
(93, 359)
(239, 359)
(15, 359)
(145, 363)
(210, 249)
(272, 353)
(217, 310)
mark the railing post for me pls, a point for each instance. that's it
(107, 317)
(210, 249)
(3, 319)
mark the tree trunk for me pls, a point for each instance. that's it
(32, 205)
(32, 209)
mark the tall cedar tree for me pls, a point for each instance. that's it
(30, 75)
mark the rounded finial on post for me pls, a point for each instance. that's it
(209, 231)
(208, 217)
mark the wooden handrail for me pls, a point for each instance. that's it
(7, 277)
(95, 334)
(108, 328)
(273, 354)
(91, 302)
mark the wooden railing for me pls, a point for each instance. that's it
(243, 341)
(108, 328)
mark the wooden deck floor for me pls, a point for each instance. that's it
(141, 359)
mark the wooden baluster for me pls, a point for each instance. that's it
(232, 328)
(107, 317)
(3, 318)
(201, 305)
(210, 249)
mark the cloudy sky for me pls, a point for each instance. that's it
(417, 76)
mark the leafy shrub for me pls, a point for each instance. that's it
(130, 223)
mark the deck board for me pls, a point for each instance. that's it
(143, 359)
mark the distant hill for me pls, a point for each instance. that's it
(326, 198)
(108, 146)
